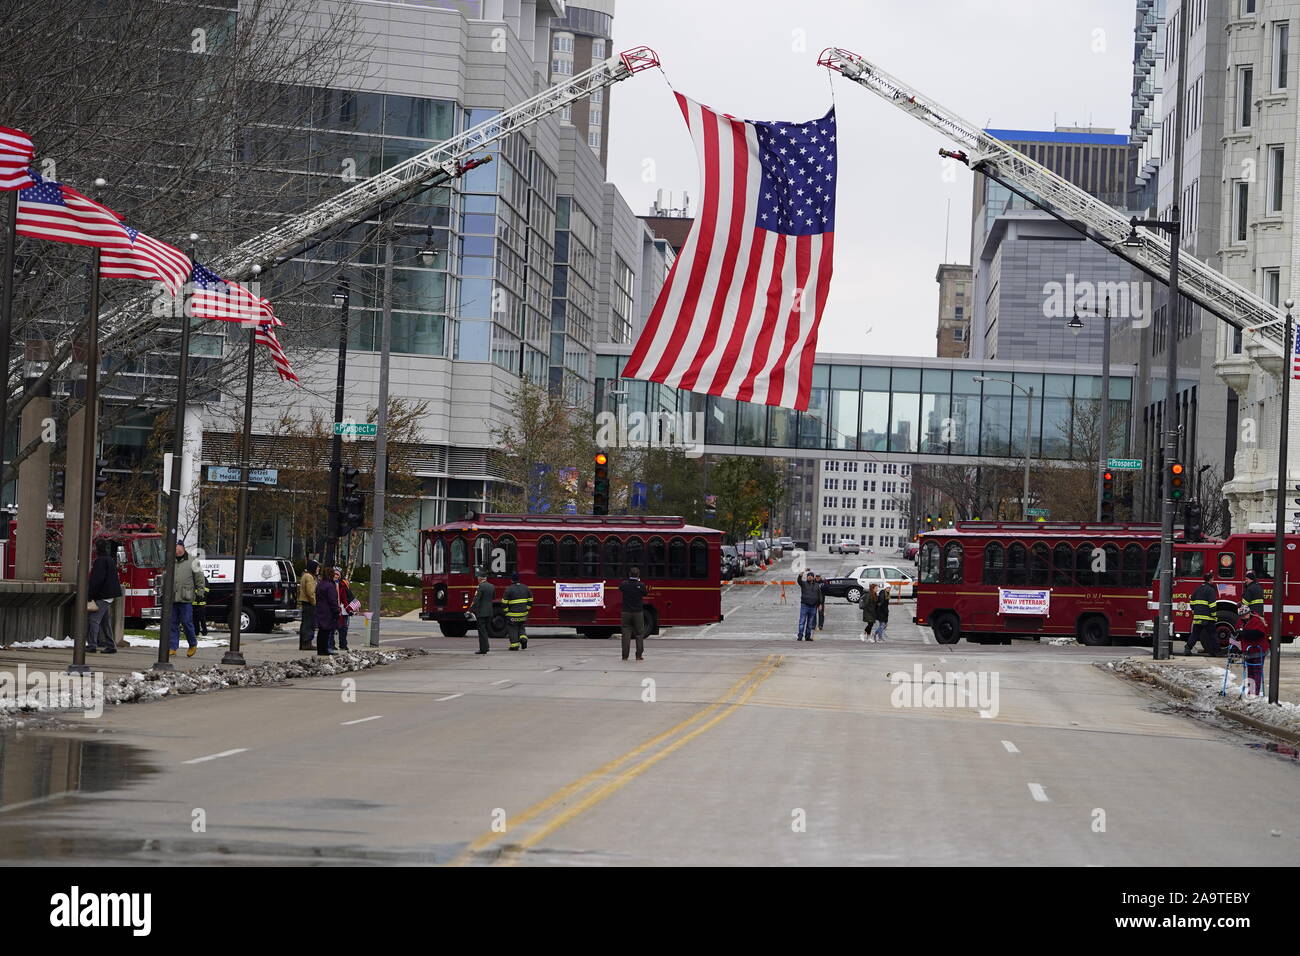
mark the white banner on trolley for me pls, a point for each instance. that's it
(1017, 601)
(580, 595)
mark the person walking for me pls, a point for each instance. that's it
(1255, 641)
(821, 603)
(307, 604)
(188, 583)
(810, 595)
(105, 588)
(482, 610)
(868, 603)
(327, 612)
(517, 602)
(1203, 600)
(882, 613)
(201, 605)
(1253, 594)
(632, 618)
(346, 597)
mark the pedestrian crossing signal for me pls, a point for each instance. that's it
(1176, 479)
(1107, 495)
(600, 485)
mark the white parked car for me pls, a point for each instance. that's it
(846, 546)
(900, 582)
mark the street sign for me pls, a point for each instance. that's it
(1039, 512)
(356, 428)
(1124, 464)
(256, 476)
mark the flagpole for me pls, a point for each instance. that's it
(233, 655)
(174, 483)
(86, 505)
(6, 327)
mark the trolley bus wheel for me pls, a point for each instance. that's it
(453, 628)
(1094, 631)
(497, 625)
(947, 629)
(854, 595)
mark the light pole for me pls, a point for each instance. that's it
(341, 296)
(1103, 435)
(1279, 528)
(1029, 425)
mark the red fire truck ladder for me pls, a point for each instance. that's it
(1148, 250)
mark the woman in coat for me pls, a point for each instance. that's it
(345, 616)
(327, 612)
(868, 604)
(882, 612)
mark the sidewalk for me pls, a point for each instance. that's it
(1199, 680)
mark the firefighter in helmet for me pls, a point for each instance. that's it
(517, 602)
(1203, 601)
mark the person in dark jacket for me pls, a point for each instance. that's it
(482, 610)
(1203, 601)
(105, 588)
(517, 602)
(1253, 594)
(346, 597)
(307, 604)
(810, 595)
(882, 612)
(327, 612)
(821, 603)
(868, 605)
(632, 616)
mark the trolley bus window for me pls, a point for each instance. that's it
(1110, 571)
(459, 556)
(1134, 562)
(1259, 558)
(1153, 563)
(1083, 565)
(699, 558)
(483, 554)
(634, 553)
(568, 563)
(677, 559)
(1062, 566)
(546, 556)
(590, 557)
(439, 562)
(1189, 564)
(928, 566)
(509, 551)
(613, 562)
(1040, 564)
(953, 561)
(994, 564)
(1017, 565)
(656, 558)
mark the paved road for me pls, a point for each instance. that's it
(728, 744)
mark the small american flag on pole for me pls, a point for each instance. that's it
(1295, 353)
(146, 258)
(50, 210)
(738, 315)
(213, 297)
(266, 336)
(16, 152)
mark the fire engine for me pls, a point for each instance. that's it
(137, 548)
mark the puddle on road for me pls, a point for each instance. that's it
(36, 767)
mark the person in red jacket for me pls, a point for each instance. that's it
(1253, 638)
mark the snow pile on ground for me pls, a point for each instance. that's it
(44, 642)
(1204, 686)
(1062, 642)
(134, 640)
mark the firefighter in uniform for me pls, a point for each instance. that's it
(1253, 595)
(517, 602)
(1203, 601)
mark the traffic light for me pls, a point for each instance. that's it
(1107, 495)
(352, 508)
(60, 486)
(929, 522)
(101, 478)
(1177, 478)
(600, 485)
(1297, 500)
(1193, 526)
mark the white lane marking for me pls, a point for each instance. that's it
(550, 670)
(449, 697)
(1039, 793)
(362, 720)
(986, 714)
(943, 660)
(1011, 748)
(224, 753)
(504, 680)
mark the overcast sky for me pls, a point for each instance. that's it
(1008, 64)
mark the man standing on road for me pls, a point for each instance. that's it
(1203, 600)
(307, 605)
(810, 595)
(482, 610)
(105, 588)
(633, 591)
(517, 602)
(1253, 594)
(187, 583)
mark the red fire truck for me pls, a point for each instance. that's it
(989, 581)
(1228, 561)
(139, 553)
(572, 563)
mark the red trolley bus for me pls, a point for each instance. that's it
(137, 548)
(572, 563)
(990, 581)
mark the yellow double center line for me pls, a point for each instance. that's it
(720, 709)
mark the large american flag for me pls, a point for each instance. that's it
(16, 152)
(266, 336)
(738, 315)
(212, 297)
(146, 258)
(50, 210)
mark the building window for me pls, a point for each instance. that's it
(1245, 96)
(595, 115)
(1281, 41)
(959, 335)
(1272, 286)
(566, 114)
(1243, 211)
(597, 49)
(593, 139)
(1276, 177)
(1247, 8)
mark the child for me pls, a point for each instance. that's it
(868, 602)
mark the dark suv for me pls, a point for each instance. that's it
(270, 593)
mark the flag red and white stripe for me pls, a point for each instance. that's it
(739, 312)
(50, 210)
(212, 297)
(266, 336)
(146, 258)
(16, 153)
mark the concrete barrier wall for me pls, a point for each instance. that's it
(31, 610)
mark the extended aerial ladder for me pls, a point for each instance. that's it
(1146, 249)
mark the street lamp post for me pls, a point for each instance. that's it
(1279, 517)
(341, 298)
(1029, 425)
